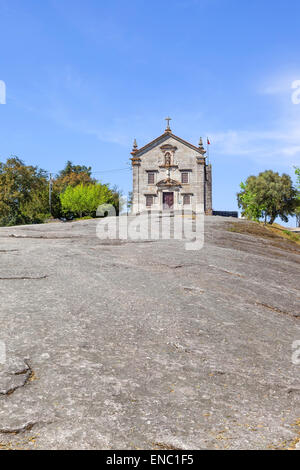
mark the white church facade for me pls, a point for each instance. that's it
(170, 174)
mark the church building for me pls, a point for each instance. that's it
(170, 174)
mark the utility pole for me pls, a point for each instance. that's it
(50, 193)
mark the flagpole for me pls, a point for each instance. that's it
(207, 145)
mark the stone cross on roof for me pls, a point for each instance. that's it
(168, 119)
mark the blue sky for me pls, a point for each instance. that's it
(84, 78)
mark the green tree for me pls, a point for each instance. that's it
(117, 200)
(297, 171)
(268, 195)
(247, 200)
(78, 169)
(23, 193)
(71, 175)
(83, 200)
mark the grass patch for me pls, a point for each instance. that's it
(259, 229)
(87, 217)
(283, 232)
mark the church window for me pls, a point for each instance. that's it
(185, 177)
(186, 199)
(149, 201)
(151, 177)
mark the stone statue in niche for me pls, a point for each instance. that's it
(168, 159)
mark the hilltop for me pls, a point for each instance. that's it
(134, 345)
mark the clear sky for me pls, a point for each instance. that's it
(86, 77)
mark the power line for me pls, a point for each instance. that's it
(109, 171)
(103, 171)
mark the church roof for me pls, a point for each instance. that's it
(163, 137)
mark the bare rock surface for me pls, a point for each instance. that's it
(14, 374)
(141, 345)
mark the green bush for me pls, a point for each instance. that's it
(84, 200)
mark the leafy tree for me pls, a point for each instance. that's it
(56, 210)
(23, 193)
(269, 195)
(72, 175)
(83, 200)
(117, 200)
(297, 171)
(247, 200)
(78, 169)
(37, 209)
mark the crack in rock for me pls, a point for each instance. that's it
(277, 310)
(45, 237)
(23, 278)
(226, 271)
(176, 266)
(13, 375)
(21, 429)
(163, 446)
(293, 390)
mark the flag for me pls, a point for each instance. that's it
(208, 142)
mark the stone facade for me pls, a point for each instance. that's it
(171, 174)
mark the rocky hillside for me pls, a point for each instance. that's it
(119, 344)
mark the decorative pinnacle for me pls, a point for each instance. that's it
(135, 147)
(168, 119)
(201, 147)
